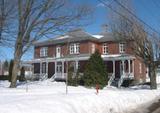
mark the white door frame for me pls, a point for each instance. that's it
(59, 68)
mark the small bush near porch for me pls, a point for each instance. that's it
(95, 71)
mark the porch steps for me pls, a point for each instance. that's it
(43, 77)
(52, 79)
(125, 83)
(115, 82)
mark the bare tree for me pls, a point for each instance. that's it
(6, 14)
(144, 47)
(145, 43)
(2, 18)
(37, 19)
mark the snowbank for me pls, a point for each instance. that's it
(50, 97)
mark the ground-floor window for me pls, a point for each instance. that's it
(36, 68)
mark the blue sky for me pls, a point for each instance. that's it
(147, 10)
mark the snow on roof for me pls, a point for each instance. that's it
(61, 37)
(112, 55)
(97, 36)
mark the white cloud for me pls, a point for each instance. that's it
(100, 5)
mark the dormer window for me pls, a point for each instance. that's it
(105, 48)
(74, 48)
(122, 47)
(44, 52)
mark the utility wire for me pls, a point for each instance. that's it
(101, 1)
(137, 17)
(158, 6)
(156, 3)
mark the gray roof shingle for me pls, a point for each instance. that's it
(77, 36)
(73, 36)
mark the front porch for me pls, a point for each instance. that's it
(118, 66)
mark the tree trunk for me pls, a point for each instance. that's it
(152, 75)
(16, 66)
(14, 74)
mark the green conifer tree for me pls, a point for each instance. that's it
(5, 65)
(95, 71)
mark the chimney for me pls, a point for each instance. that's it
(104, 28)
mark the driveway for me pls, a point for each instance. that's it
(155, 107)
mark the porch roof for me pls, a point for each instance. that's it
(117, 57)
(80, 57)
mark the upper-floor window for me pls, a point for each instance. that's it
(43, 52)
(58, 51)
(74, 48)
(122, 47)
(105, 48)
(93, 48)
(140, 68)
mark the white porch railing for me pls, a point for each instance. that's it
(43, 76)
(52, 78)
(60, 76)
(111, 78)
(121, 80)
(125, 76)
(129, 75)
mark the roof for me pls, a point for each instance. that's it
(77, 36)
(72, 36)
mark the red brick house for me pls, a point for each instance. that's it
(75, 47)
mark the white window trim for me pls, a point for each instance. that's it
(44, 52)
(93, 48)
(122, 47)
(140, 68)
(77, 48)
(74, 48)
(105, 48)
(58, 48)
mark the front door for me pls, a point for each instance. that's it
(58, 52)
(59, 68)
(117, 69)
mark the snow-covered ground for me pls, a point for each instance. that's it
(50, 97)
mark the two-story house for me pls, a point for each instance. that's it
(76, 47)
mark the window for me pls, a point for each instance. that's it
(105, 48)
(140, 68)
(121, 47)
(93, 48)
(43, 51)
(74, 48)
(58, 51)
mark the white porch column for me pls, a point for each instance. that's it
(123, 67)
(47, 69)
(55, 66)
(40, 68)
(113, 67)
(76, 65)
(62, 68)
(129, 66)
(33, 68)
(133, 67)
